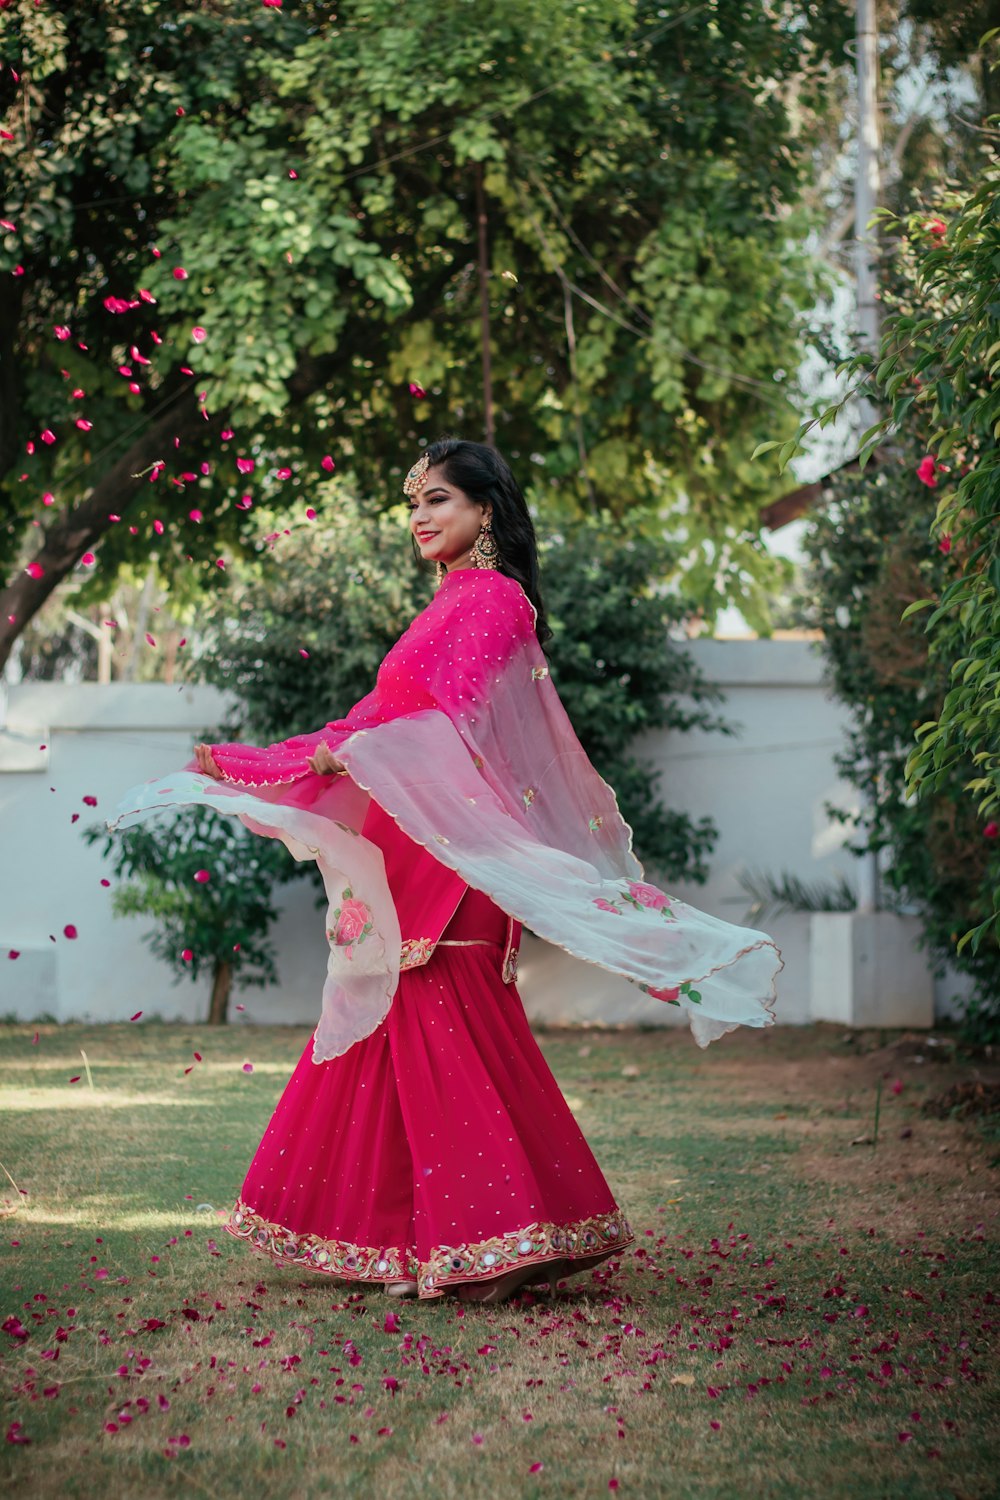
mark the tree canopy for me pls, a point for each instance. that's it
(278, 236)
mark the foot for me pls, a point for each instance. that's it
(401, 1288)
(497, 1290)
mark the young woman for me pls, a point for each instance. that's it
(422, 1141)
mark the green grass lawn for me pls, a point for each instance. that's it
(800, 1315)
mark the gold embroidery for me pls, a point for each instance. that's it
(589, 1240)
(528, 795)
(415, 951)
(537, 673)
(509, 974)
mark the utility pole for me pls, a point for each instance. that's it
(866, 185)
(866, 194)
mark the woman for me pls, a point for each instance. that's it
(422, 1141)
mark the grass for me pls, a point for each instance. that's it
(800, 1316)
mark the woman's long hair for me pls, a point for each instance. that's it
(482, 474)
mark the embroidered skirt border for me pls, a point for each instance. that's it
(586, 1240)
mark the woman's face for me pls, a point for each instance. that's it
(445, 521)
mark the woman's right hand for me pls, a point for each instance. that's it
(206, 763)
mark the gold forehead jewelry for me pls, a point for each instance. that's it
(417, 477)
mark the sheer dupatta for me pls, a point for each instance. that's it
(465, 743)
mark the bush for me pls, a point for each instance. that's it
(219, 925)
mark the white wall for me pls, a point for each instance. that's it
(765, 790)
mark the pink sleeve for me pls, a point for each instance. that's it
(447, 659)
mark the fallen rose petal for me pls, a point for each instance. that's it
(61, 332)
(88, 560)
(180, 274)
(187, 955)
(69, 931)
(202, 876)
(150, 640)
(327, 463)
(199, 335)
(35, 570)
(248, 1067)
(136, 1016)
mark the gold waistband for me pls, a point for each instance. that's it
(467, 943)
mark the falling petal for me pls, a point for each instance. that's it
(248, 1067)
(187, 955)
(150, 640)
(199, 335)
(89, 800)
(83, 424)
(327, 463)
(180, 274)
(69, 931)
(245, 465)
(194, 515)
(34, 570)
(310, 513)
(61, 332)
(202, 875)
(88, 559)
(303, 651)
(136, 1016)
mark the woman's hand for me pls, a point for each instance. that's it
(206, 764)
(325, 763)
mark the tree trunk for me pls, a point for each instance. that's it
(484, 309)
(75, 530)
(222, 983)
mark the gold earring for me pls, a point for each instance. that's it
(439, 573)
(485, 552)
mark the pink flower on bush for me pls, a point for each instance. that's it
(926, 471)
(647, 895)
(944, 545)
(352, 919)
(937, 227)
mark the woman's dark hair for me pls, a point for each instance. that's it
(481, 473)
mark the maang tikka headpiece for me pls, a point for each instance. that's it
(417, 477)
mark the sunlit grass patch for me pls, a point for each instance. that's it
(797, 1311)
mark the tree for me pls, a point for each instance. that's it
(871, 558)
(209, 885)
(263, 197)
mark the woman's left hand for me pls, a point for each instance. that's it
(325, 763)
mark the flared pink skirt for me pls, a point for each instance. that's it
(439, 1149)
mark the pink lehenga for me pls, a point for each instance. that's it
(422, 1136)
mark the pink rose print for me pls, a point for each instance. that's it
(647, 895)
(352, 923)
(671, 996)
(606, 905)
(353, 917)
